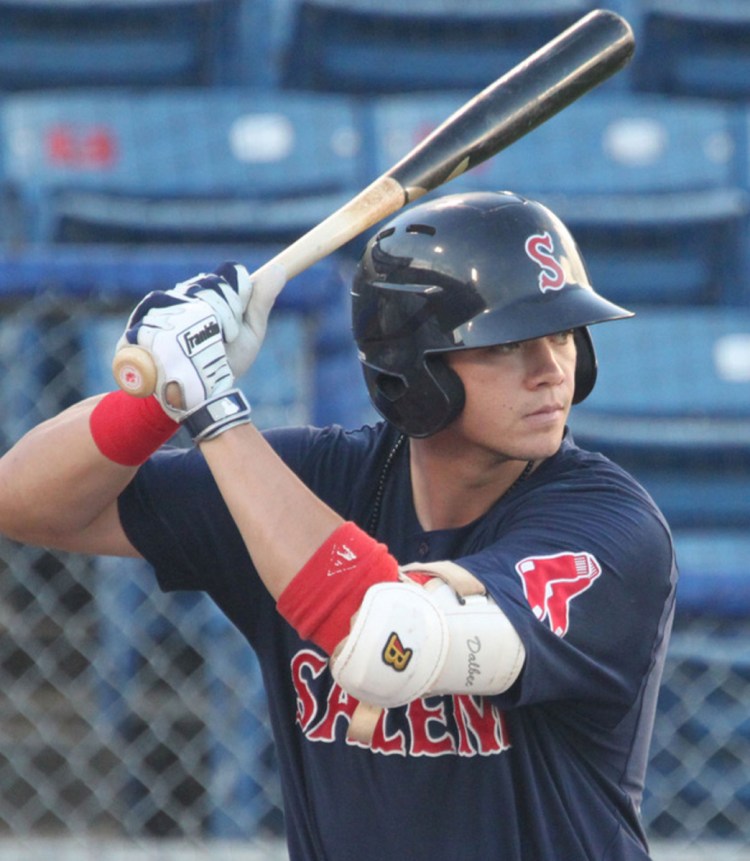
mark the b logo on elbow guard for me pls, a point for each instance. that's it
(395, 654)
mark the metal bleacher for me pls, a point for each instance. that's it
(54, 44)
(672, 405)
(693, 48)
(187, 165)
(377, 46)
(143, 141)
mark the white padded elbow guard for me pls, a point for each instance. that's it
(410, 641)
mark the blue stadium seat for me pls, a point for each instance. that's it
(386, 46)
(46, 44)
(672, 404)
(693, 48)
(714, 572)
(190, 165)
(649, 186)
(670, 364)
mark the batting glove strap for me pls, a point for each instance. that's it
(217, 415)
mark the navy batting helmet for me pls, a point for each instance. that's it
(458, 272)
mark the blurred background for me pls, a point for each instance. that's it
(143, 141)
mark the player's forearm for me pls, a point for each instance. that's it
(281, 521)
(54, 483)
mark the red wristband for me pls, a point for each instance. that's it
(129, 430)
(324, 595)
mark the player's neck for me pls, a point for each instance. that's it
(452, 491)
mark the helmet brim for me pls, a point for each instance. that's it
(536, 317)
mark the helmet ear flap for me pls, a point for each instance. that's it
(452, 392)
(586, 367)
(431, 398)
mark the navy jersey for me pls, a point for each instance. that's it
(580, 560)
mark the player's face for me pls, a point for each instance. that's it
(518, 396)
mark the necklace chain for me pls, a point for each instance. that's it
(521, 478)
(372, 524)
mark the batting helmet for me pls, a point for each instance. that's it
(458, 272)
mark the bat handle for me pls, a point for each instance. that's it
(135, 371)
(134, 368)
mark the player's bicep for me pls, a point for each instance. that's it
(104, 536)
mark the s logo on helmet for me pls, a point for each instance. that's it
(540, 248)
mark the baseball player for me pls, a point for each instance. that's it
(460, 615)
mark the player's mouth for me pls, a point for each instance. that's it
(551, 414)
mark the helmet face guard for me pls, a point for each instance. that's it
(461, 272)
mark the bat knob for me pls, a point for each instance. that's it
(134, 371)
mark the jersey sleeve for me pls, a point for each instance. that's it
(175, 516)
(584, 569)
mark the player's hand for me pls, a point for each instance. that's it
(241, 304)
(184, 337)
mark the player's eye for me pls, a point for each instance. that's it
(503, 349)
(562, 337)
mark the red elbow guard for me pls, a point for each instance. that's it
(328, 590)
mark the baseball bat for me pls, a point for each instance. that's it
(576, 61)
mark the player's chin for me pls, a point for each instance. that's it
(543, 442)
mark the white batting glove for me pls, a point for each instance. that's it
(185, 341)
(241, 305)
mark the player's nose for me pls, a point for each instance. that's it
(545, 361)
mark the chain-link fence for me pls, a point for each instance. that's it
(128, 713)
(699, 780)
(124, 710)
